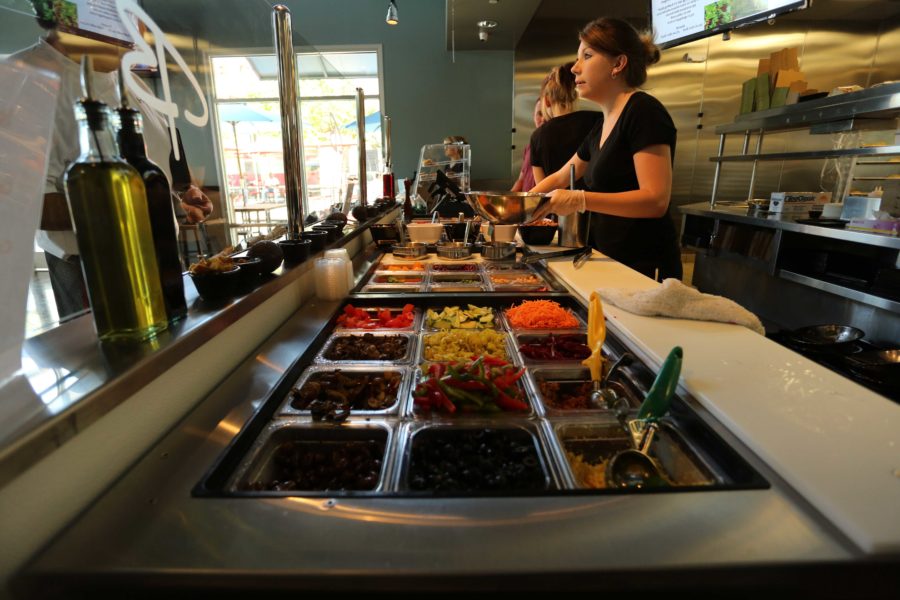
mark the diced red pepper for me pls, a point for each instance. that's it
(494, 362)
(508, 403)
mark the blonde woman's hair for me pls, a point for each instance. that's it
(455, 139)
(558, 93)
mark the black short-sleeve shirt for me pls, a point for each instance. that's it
(643, 244)
(554, 142)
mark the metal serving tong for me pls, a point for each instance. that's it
(580, 254)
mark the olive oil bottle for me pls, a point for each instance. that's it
(159, 203)
(112, 225)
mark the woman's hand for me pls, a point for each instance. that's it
(562, 203)
(197, 206)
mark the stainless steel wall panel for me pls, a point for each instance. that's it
(841, 43)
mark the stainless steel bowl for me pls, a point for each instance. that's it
(505, 208)
(498, 250)
(454, 250)
(411, 251)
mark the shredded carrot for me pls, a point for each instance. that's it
(541, 314)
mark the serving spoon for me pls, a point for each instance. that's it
(602, 396)
(635, 468)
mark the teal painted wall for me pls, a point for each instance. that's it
(426, 94)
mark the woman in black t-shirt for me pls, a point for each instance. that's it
(564, 128)
(626, 160)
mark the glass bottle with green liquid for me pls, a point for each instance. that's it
(108, 203)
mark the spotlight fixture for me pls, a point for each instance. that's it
(484, 29)
(392, 17)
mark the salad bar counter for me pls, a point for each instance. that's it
(461, 395)
(426, 441)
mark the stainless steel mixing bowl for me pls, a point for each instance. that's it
(506, 208)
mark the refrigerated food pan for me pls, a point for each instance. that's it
(292, 459)
(378, 347)
(588, 448)
(466, 410)
(464, 344)
(350, 390)
(474, 459)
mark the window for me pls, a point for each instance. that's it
(249, 133)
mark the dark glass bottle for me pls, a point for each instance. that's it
(407, 201)
(159, 203)
(109, 211)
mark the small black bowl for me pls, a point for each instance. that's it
(215, 286)
(385, 234)
(537, 235)
(318, 238)
(295, 251)
(251, 269)
(333, 231)
(456, 230)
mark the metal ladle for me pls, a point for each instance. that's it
(634, 468)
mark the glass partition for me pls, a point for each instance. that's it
(234, 157)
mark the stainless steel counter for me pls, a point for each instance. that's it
(740, 214)
(148, 532)
(69, 380)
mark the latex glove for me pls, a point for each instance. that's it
(197, 206)
(562, 203)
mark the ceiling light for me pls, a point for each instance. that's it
(392, 17)
(485, 28)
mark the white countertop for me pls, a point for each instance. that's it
(836, 443)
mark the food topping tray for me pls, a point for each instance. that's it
(450, 404)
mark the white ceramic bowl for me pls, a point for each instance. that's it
(428, 233)
(504, 233)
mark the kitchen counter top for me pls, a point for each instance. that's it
(835, 442)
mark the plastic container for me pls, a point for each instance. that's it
(428, 233)
(331, 278)
(344, 256)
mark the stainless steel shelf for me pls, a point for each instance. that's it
(839, 290)
(876, 102)
(739, 214)
(816, 154)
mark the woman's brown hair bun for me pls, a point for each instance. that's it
(651, 48)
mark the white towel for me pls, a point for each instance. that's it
(674, 299)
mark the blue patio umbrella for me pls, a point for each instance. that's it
(372, 121)
(240, 113)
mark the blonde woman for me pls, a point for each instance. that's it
(564, 128)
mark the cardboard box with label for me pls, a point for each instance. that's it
(798, 202)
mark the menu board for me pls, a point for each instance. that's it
(97, 19)
(679, 21)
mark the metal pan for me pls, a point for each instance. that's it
(823, 337)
